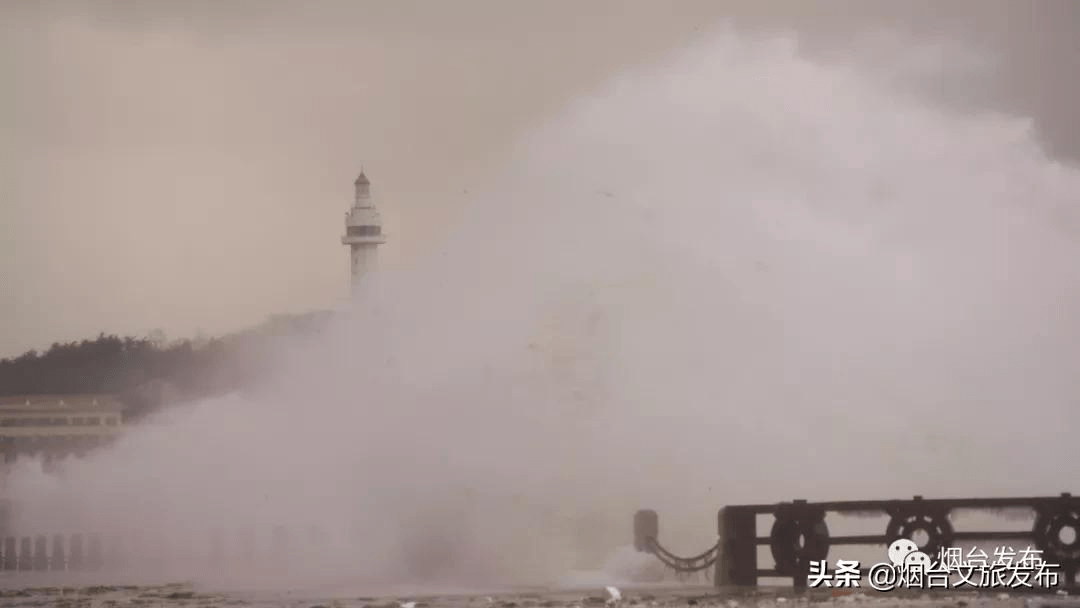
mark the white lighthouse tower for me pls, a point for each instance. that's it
(363, 230)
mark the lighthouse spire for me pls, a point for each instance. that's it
(363, 230)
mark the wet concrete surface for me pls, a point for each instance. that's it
(179, 595)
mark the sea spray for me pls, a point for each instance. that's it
(736, 276)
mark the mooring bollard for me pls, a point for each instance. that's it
(58, 562)
(41, 555)
(11, 558)
(75, 558)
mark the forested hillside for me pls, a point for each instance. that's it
(146, 372)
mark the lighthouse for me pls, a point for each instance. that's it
(363, 230)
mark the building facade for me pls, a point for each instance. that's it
(57, 426)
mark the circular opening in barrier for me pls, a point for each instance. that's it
(1067, 535)
(920, 537)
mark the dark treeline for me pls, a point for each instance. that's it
(146, 373)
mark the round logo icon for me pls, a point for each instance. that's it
(900, 549)
(919, 559)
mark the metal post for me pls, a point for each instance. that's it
(737, 562)
(802, 569)
(646, 530)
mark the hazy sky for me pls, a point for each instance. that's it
(186, 165)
